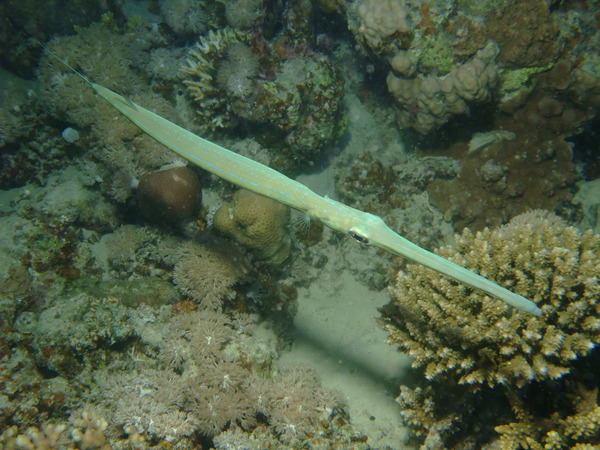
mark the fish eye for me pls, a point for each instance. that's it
(358, 238)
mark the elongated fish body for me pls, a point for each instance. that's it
(256, 177)
(265, 181)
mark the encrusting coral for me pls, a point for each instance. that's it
(259, 223)
(450, 329)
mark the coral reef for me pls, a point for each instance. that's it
(291, 98)
(533, 169)
(537, 256)
(425, 45)
(257, 222)
(115, 333)
(105, 54)
(428, 102)
(476, 353)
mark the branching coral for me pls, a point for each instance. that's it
(259, 223)
(449, 329)
(493, 375)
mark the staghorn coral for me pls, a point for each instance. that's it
(208, 274)
(452, 331)
(259, 223)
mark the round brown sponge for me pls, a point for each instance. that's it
(170, 195)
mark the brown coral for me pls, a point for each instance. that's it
(258, 223)
(505, 179)
(526, 33)
(451, 330)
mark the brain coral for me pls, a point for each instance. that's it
(452, 330)
(258, 223)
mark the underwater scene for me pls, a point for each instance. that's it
(381, 229)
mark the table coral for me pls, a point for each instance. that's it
(259, 223)
(451, 330)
